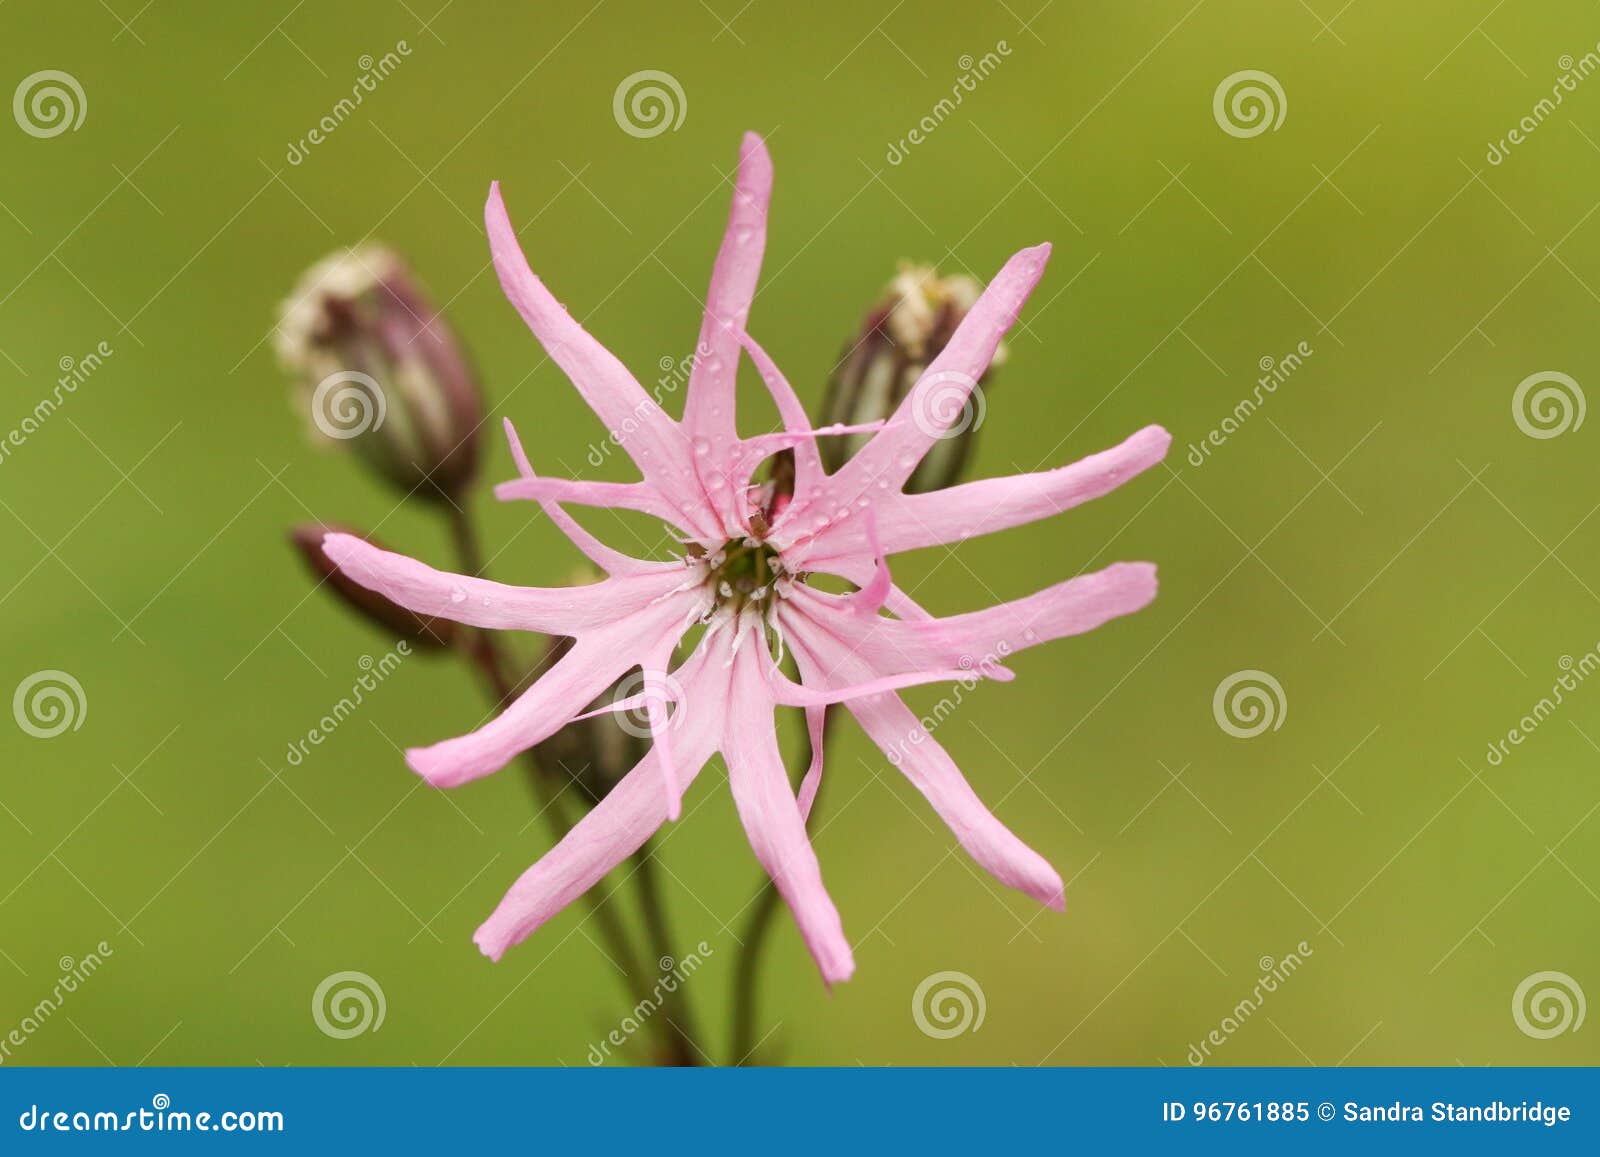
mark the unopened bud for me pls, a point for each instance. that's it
(369, 605)
(905, 331)
(377, 369)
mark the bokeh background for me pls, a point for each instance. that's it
(1381, 536)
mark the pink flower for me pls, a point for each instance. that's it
(744, 576)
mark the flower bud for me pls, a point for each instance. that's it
(374, 608)
(906, 330)
(376, 368)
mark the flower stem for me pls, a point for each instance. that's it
(747, 974)
(677, 1011)
(677, 1041)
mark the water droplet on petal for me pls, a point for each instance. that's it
(458, 595)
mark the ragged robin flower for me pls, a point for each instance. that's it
(741, 590)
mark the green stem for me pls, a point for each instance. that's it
(677, 1011)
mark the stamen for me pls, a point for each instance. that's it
(743, 575)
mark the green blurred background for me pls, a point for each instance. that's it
(1380, 536)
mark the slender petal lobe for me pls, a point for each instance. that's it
(595, 661)
(618, 825)
(496, 606)
(771, 817)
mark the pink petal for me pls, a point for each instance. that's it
(772, 819)
(709, 403)
(609, 560)
(869, 600)
(658, 690)
(618, 825)
(816, 733)
(935, 400)
(639, 496)
(931, 771)
(911, 521)
(861, 569)
(978, 642)
(633, 418)
(496, 606)
(788, 693)
(808, 471)
(593, 663)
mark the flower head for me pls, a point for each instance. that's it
(376, 368)
(742, 575)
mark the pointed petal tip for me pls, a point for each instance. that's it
(496, 218)
(489, 942)
(1139, 578)
(1046, 887)
(519, 456)
(1033, 258)
(755, 170)
(837, 971)
(752, 144)
(1158, 436)
(339, 548)
(1023, 271)
(426, 763)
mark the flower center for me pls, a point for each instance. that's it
(742, 573)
